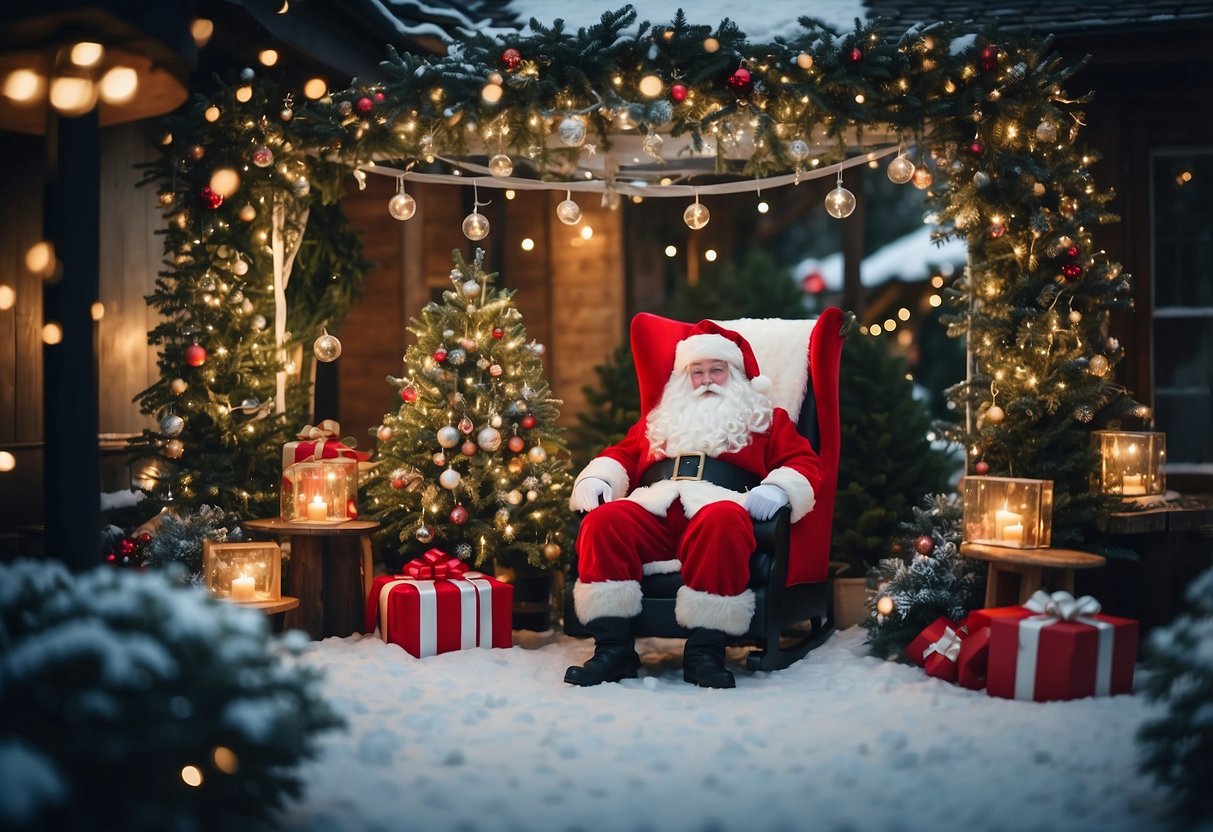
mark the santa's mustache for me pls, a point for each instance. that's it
(704, 389)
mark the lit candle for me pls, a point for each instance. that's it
(1133, 484)
(1003, 519)
(1013, 533)
(244, 588)
(317, 509)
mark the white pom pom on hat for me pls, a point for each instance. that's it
(709, 340)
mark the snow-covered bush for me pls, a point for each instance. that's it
(1178, 745)
(129, 703)
(176, 543)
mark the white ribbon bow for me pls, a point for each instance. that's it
(1062, 605)
(327, 429)
(948, 646)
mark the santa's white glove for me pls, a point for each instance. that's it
(764, 500)
(586, 494)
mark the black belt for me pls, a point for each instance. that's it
(700, 467)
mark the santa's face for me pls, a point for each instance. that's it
(707, 374)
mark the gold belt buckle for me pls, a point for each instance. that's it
(678, 470)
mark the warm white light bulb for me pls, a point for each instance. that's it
(87, 53)
(119, 85)
(23, 86)
(840, 203)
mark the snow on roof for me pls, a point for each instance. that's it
(906, 258)
(760, 23)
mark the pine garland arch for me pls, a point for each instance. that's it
(988, 116)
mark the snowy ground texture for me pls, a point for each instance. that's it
(494, 740)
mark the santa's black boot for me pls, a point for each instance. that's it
(703, 660)
(614, 654)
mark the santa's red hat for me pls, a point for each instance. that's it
(707, 340)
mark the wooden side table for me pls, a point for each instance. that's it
(1030, 567)
(330, 571)
(273, 609)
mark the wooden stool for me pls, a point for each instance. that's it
(1031, 567)
(330, 571)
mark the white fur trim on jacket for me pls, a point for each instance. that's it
(694, 608)
(695, 494)
(606, 599)
(798, 489)
(605, 468)
(662, 567)
(707, 345)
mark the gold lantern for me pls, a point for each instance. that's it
(1008, 511)
(1131, 463)
(243, 572)
(322, 491)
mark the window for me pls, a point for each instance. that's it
(1181, 204)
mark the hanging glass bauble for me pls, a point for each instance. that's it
(981, 179)
(516, 444)
(696, 215)
(501, 165)
(448, 437)
(471, 288)
(174, 448)
(424, 533)
(571, 131)
(439, 459)
(568, 212)
(489, 439)
(840, 203)
(172, 425)
(475, 226)
(258, 322)
(301, 186)
(178, 386)
(537, 454)
(551, 551)
(798, 150)
(467, 344)
(327, 348)
(922, 178)
(402, 206)
(900, 170)
(384, 434)
(449, 479)
(514, 497)
(468, 448)
(459, 515)
(456, 357)
(652, 144)
(466, 426)
(263, 157)
(247, 213)
(1098, 365)
(1046, 131)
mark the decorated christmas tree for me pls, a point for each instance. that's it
(1035, 300)
(243, 295)
(473, 461)
(908, 594)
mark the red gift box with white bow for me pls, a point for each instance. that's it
(439, 606)
(1056, 647)
(937, 648)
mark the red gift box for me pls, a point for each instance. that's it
(1058, 647)
(937, 647)
(319, 442)
(438, 606)
(973, 661)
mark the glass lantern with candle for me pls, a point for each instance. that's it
(243, 572)
(1131, 463)
(323, 491)
(1008, 511)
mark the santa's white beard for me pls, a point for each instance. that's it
(711, 419)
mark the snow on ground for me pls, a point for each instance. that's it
(760, 23)
(494, 740)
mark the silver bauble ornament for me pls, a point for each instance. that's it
(258, 322)
(537, 454)
(471, 289)
(448, 437)
(178, 386)
(501, 165)
(900, 170)
(571, 131)
(402, 207)
(798, 150)
(424, 533)
(327, 348)
(301, 186)
(172, 425)
(449, 479)
(568, 212)
(489, 439)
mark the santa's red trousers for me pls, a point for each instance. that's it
(714, 546)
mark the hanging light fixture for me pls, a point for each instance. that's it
(476, 224)
(840, 203)
(401, 206)
(696, 215)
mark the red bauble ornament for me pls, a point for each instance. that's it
(855, 55)
(145, 537)
(440, 355)
(209, 198)
(364, 104)
(678, 93)
(976, 148)
(527, 421)
(397, 483)
(379, 97)
(516, 444)
(498, 332)
(511, 58)
(982, 467)
(469, 448)
(1071, 271)
(111, 558)
(1072, 251)
(408, 393)
(989, 58)
(195, 355)
(459, 515)
(740, 81)
(924, 544)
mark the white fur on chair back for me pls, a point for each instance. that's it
(782, 349)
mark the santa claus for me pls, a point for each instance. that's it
(677, 495)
